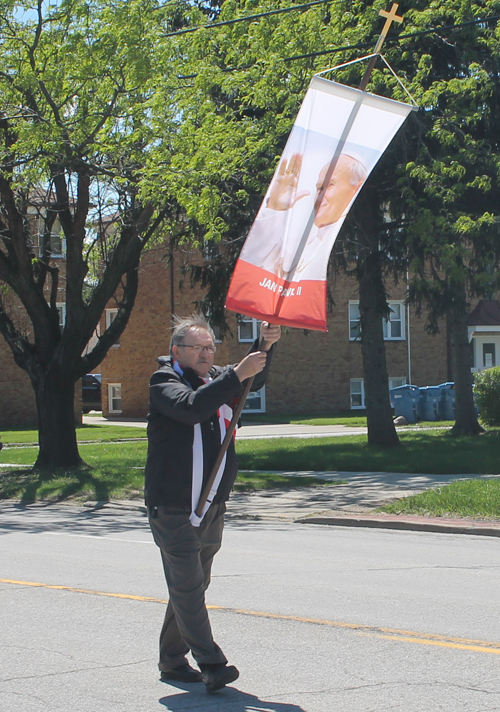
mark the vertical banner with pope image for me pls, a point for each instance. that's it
(338, 137)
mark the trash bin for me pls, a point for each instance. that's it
(428, 404)
(447, 402)
(404, 400)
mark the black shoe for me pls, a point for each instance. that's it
(216, 677)
(182, 673)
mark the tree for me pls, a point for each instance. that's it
(442, 191)
(236, 118)
(76, 129)
(450, 190)
(362, 250)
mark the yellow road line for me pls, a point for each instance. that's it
(84, 590)
(404, 636)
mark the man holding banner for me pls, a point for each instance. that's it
(189, 412)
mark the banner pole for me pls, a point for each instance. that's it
(225, 443)
(390, 18)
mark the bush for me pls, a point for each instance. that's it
(487, 393)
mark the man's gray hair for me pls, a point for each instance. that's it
(184, 323)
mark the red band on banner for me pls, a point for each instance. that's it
(258, 293)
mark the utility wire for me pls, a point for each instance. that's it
(364, 45)
(247, 18)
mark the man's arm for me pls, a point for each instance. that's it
(177, 400)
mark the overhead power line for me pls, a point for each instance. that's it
(248, 18)
(364, 45)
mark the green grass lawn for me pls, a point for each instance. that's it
(426, 452)
(320, 419)
(468, 498)
(115, 471)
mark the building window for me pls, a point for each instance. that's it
(354, 325)
(57, 241)
(357, 393)
(396, 382)
(394, 326)
(248, 329)
(115, 397)
(488, 355)
(256, 401)
(358, 390)
(61, 308)
(217, 334)
(111, 315)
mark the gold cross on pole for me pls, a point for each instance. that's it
(391, 16)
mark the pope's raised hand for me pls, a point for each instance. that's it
(283, 194)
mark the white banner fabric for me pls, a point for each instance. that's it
(337, 139)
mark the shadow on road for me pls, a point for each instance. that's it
(229, 699)
(46, 517)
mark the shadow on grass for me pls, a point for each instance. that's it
(55, 485)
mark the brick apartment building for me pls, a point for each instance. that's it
(313, 372)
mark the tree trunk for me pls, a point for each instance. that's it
(372, 306)
(56, 422)
(466, 422)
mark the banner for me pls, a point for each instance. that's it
(338, 137)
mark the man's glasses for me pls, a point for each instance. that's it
(199, 349)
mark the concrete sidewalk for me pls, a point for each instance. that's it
(269, 430)
(246, 432)
(352, 502)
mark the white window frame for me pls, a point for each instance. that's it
(362, 381)
(255, 329)
(59, 234)
(353, 319)
(111, 397)
(494, 359)
(110, 317)
(351, 393)
(254, 394)
(397, 385)
(386, 323)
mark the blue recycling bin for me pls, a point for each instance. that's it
(447, 402)
(404, 400)
(428, 403)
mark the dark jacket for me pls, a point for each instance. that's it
(176, 404)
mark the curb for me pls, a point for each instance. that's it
(417, 524)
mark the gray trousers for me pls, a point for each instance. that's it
(187, 554)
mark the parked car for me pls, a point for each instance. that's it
(91, 392)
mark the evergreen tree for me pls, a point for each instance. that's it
(449, 196)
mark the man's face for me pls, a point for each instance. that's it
(338, 194)
(187, 357)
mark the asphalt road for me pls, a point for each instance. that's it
(318, 619)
